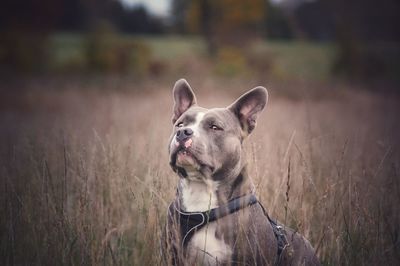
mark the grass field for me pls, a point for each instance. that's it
(85, 176)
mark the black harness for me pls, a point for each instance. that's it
(190, 222)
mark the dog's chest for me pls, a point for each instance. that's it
(204, 246)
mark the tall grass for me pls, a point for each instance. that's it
(85, 176)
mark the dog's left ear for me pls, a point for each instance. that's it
(184, 98)
(248, 107)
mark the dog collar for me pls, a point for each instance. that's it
(190, 222)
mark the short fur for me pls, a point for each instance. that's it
(206, 152)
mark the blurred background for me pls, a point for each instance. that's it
(280, 40)
(85, 118)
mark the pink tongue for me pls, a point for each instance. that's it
(188, 143)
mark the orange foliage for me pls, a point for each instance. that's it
(227, 15)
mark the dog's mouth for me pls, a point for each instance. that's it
(183, 160)
(183, 157)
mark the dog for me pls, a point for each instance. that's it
(215, 218)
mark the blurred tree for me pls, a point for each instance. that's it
(130, 20)
(178, 18)
(363, 31)
(232, 22)
(363, 19)
(367, 20)
(73, 16)
(276, 23)
(24, 26)
(366, 33)
(315, 20)
(29, 14)
(138, 20)
(109, 52)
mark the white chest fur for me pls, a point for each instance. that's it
(204, 247)
(198, 195)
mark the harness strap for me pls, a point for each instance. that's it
(232, 206)
(190, 222)
(279, 233)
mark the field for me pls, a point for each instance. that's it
(85, 178)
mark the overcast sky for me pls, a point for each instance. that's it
(156, 7)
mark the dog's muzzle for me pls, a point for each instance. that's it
(183, 137)
(182, 142)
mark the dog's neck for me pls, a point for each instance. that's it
(200, 194)
(197, 195)
(236, 187)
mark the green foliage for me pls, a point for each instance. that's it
(230, 62)
(297, 60)
(106, 51)
(67, 53)
(174, 47)
(276, 60)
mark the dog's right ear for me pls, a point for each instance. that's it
(184, 98)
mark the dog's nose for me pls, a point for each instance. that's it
(183, 134)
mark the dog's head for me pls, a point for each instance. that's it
(207, 143)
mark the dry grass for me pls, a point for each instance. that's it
(85, 176)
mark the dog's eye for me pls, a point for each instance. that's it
(214, 127)
(179, 124)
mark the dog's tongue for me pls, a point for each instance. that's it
(188, 143)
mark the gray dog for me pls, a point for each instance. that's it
(216, 219)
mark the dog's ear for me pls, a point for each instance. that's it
(248, 107)
(184, 98)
